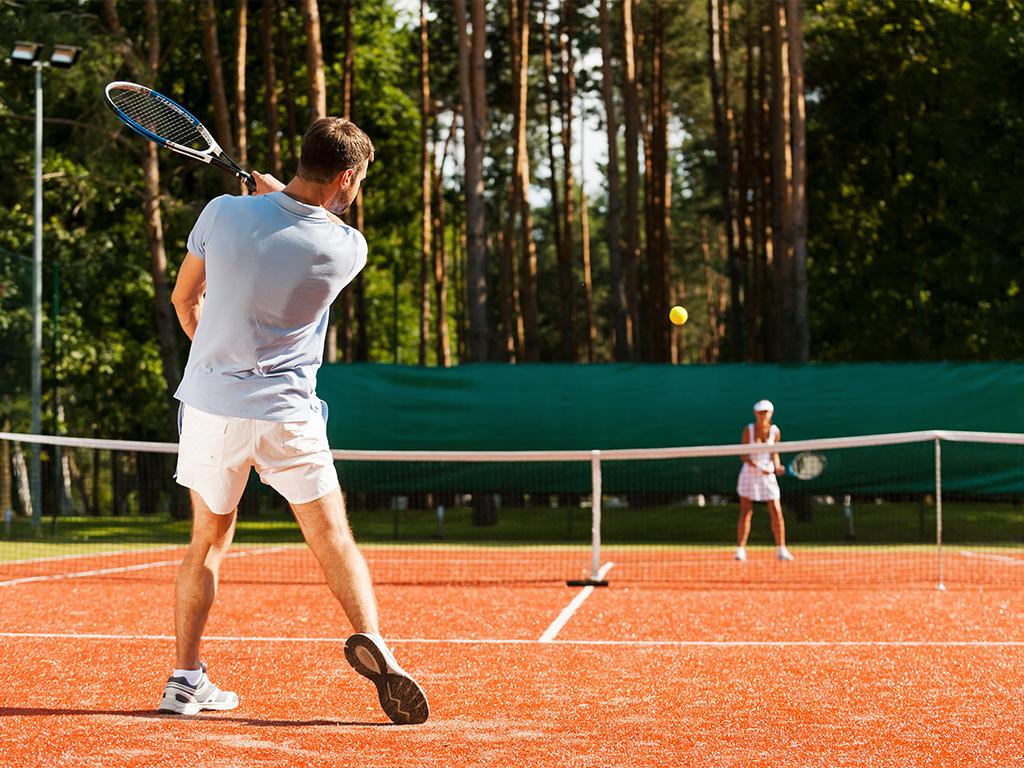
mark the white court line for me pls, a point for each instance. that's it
(563, 618)
(522, 641)
(107, 553)
(991, 556)
(123, 568)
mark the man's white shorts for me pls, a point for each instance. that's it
(215, 454)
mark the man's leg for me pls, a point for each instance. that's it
(326, 530)
(189, 690)
(196, 587)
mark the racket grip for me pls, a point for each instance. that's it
(247, 179)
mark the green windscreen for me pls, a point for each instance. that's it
(486, 407)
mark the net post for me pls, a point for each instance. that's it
(594, 578)
(938, 511)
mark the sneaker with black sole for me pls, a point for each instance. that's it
(400, 696)
(181, 698)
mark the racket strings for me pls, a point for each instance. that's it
(158, 117)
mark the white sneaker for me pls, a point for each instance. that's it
(783, 554)
(180, 698)
(741, 554)
(400, 696)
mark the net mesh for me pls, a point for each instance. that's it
(159, 116)
(922, 508)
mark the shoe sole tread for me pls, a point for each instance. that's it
(401, 697)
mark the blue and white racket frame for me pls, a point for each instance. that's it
(213, 155)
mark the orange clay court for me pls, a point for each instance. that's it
(852, 670)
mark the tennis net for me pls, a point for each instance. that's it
(926, 508)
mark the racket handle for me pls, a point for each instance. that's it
(247, 179)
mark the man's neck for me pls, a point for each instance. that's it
(304, 191)
(310, 193)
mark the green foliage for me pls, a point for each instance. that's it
(915, 112)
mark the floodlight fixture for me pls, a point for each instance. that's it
(64, 56)
(25, 52)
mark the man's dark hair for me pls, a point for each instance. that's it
(332, 145)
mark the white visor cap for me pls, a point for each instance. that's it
(764, 405)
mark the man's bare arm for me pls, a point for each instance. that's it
(189, 289)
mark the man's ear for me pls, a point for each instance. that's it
(344, 178)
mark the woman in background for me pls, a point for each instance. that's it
(757, 481)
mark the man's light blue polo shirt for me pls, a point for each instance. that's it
(273, 268)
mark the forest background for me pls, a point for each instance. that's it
(838, 180)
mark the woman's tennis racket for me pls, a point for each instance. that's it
(170, 125)
(806, 465)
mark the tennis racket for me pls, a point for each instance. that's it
(806, 465)
(169, 125)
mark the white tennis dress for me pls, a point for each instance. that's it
(753, 483)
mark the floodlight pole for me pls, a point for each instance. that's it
(27, 52)
(35, 469)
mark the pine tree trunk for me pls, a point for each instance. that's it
(738, 180)
(459, 238)
(241, 127)
(6, 484)
(556, 206)
(215, 73)
(567, 88)
(750, 193)
(506, 279)
(21, 481)
(472, 87)
(350, 62)
(711, 348)
(270, 102)
(658, 198)
(800, 341)
(588, 278)
(764, 286)
(346, 301)
(621, 314)
(631, 255)
(530, 338)
(723, 146)
(314, 60)
(289, 99)
(361, 319)
(426, 188)
(441, 336)
(782, 177)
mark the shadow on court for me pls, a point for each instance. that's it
(149, 714)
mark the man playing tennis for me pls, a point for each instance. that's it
(253, 294)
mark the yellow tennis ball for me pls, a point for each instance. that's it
(678, 315)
